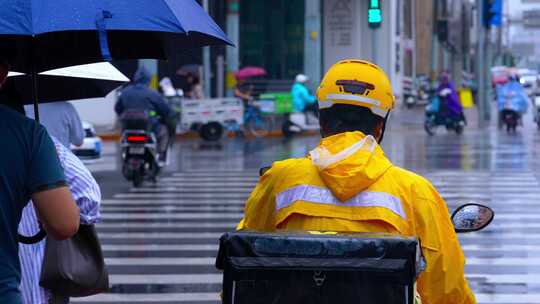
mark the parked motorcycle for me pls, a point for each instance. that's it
(424, 90)
(436, 116)
(139, 148)
(323, 267)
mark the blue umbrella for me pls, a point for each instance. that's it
(51, 34)
(43, 35)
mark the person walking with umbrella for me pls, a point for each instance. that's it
(29, 169)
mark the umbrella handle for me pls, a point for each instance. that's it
(102, 32)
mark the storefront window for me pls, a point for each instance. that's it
(274, 39)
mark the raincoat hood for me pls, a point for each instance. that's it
(142, 77)
(349, 163)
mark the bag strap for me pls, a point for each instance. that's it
(30, 240)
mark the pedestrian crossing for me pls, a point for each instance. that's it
(160, 241)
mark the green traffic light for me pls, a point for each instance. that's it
(374, 16)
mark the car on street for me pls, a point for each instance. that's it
(92, 144)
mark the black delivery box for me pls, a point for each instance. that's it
(316, 268)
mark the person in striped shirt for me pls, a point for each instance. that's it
(87, 195)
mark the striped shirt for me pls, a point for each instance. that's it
(87, 195)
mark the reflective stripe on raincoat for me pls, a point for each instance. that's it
(347, 184)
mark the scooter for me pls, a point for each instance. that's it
(298, 123)
(435, 117)
(139, 148)
(510, 118)
(324, 267)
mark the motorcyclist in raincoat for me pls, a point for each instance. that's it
(512, 96)
(450, 106)
(347, 184)
(302, 100)
(137, 96)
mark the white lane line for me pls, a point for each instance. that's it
(161, 247)
(110, 202)
(192, 190)
(487, 183)
(161, 235)
(166, 279)
(210, 179)
(500, 236)
(499, 298)
(166, 298)
(217, 173)
(216, 195)
(238, 208)
(501, 248)
(503, 261)
(505, 278)
(488, 195)
(143, 216)
(126, 225)
(159, 261)
(165, 184)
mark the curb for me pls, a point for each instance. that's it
(194, 135)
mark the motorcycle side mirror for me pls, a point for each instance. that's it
(472, 217)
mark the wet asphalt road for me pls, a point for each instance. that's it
(160, 240)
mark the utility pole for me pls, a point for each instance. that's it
(207, 84)
(232, 53)
(480, 65)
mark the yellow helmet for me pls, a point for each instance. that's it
(358, 83)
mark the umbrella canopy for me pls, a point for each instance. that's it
(77, 82)
(46, 34)
(249, 71)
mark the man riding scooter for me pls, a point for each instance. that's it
(304, 116)
(512, 102)
(347, 184)
(137, 97)
(302, 100)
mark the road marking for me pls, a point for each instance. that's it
(212, 190)
(169, 208)
(150, 297)
(503, 261)
(160, 261)
(201, 195)
(498, 247)
(161, 235)
(209, 179)
(160, 247)
(109, 202)
(166, 279)
(499, 298)
(505, 278)
(149, 216)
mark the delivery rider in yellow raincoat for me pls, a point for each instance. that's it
(347, 184)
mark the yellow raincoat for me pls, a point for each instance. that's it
(348, 185)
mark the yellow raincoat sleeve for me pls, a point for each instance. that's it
(259, 210)
(443, 281)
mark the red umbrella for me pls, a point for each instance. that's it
(249, 71)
